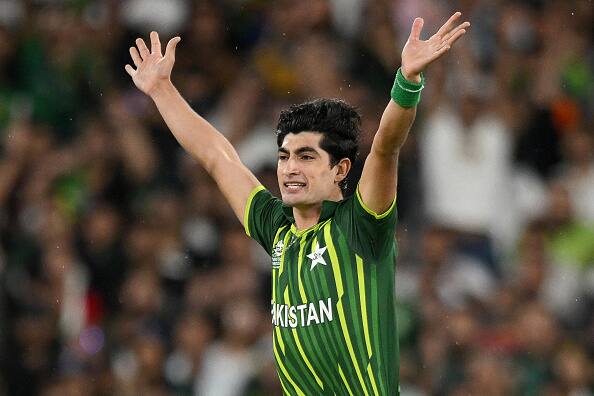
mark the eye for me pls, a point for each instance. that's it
(307, 157)
(283, 157)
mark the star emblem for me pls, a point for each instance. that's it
(317, 257)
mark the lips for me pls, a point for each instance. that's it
(294, 186)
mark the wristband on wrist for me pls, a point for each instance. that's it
(406, 93)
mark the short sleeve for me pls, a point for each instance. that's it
(371, 234)
(263, 217)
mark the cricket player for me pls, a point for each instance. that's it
(332, 257)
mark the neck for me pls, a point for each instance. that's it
(308, 216)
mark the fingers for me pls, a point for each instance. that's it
(448, 25)
(461, 26)
(171, 45)
(130, 70)
(142, 48)
(142, 53)
(459, 33)
(155, 43)
(135, 56)
(417, 26)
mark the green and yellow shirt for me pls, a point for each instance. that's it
(333, 302)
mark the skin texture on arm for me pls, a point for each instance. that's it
(379, 178)
(196, 135)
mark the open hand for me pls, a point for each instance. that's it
(418, 54)
(152, 68)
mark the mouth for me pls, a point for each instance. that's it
(294, 186)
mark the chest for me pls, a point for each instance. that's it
(313, 266)
(302, 266)
(306, 269)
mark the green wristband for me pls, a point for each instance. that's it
(406, 93)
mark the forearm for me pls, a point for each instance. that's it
(393, 130)
(196, 135)
(380, 172)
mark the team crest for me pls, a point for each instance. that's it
(317, 257)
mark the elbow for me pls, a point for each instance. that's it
(386, 148)
(212, 163)
(388, 156)
(212, 158)
(219, 163)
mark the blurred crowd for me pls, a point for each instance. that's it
(123, 271)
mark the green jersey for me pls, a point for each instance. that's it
(333, 304)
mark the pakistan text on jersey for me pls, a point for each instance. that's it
(302, 315)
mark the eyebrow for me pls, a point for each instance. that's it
(300, 150)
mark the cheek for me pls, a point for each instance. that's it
(323, 177)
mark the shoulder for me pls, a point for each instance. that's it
(368, 233)
(355, 202)
(261, 198)
(352, 212)
(263, 215)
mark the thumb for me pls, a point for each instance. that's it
(170, 50)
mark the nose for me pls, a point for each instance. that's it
(291, 167)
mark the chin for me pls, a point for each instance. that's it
(290, 200)
(293, 199)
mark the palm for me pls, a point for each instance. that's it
(152, 67)
(418, 54)
(151, 71)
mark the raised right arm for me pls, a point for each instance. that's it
(198, 137)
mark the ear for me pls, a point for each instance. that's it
(342, 169)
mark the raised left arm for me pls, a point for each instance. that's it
(379, 178)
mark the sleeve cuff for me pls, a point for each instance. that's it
(371, 212)
(248, 205)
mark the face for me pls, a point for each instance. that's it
(304, 174)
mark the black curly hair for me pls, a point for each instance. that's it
(338, 121)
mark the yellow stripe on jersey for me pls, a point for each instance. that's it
(277, 235)
(306, 360)
(370, 373)
(300, 348)
(299, 264)
(282, 260)
(274, 334)
(279, 338)
(362, 298)
(286, 392)
(286, 373)
(274, 270)
(339, 308)
(363, 303)
(371, 212)
(248, 205)
(344, 380)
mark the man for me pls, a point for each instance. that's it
(333, 259)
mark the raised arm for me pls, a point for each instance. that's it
(379, 178)
(208, 146)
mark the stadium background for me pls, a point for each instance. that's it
(123, 271)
